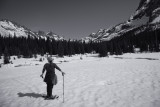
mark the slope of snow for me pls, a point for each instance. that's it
(129, 80)
(148, 1)
(156, 14)
(157, 19)
(8, 28)
(148, 12)
(156, 10)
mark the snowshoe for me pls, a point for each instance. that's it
(50, 98)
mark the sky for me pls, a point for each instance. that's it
(73, 19)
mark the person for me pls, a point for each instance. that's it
(50, 77)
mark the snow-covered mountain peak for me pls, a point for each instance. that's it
(148, 8)
(147, 16)
(10, 28)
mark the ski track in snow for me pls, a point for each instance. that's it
(91, 82)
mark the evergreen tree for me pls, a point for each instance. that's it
(49, 46)
(111, 48)
(26, 52)
(60, 49)
(54, 47)
(103, 49)
(82, 48)
(71, 50)
(118, 50)
(65, 44)
(0, 51)
(6, 56)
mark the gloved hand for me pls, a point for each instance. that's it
(63, 73)
(41, 75)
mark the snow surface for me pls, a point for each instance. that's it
(148, 1)
(155, 13)
(157, 19)
(129, 80)
(8, 28)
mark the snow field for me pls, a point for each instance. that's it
(129, 80)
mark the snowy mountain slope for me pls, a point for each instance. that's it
(147, 16)
(10, 28)
(53, 35)
(50, 34)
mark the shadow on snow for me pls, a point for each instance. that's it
(136, 58)
(34, 95)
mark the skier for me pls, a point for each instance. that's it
(50, 77)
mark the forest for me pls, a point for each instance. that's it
(148, 41)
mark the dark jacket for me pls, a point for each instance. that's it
(50, 72)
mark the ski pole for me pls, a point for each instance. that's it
(63, 88)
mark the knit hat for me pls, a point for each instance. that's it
(50, 59)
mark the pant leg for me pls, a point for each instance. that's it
(49, 88)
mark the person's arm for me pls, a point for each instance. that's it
(43, 71)
(59, 69)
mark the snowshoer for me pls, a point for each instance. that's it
(50, 77)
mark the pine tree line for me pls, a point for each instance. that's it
(148, 41)
(27, 47)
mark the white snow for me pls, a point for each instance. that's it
(129, 80)
(142, 9)
(116, 34)
(157, 19)
(147, 1)
(8, 28)
(155, 13)
(156, 10)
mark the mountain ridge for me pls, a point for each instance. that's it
(11, 28)
(146, 16)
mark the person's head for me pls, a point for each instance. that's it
(50, 59)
